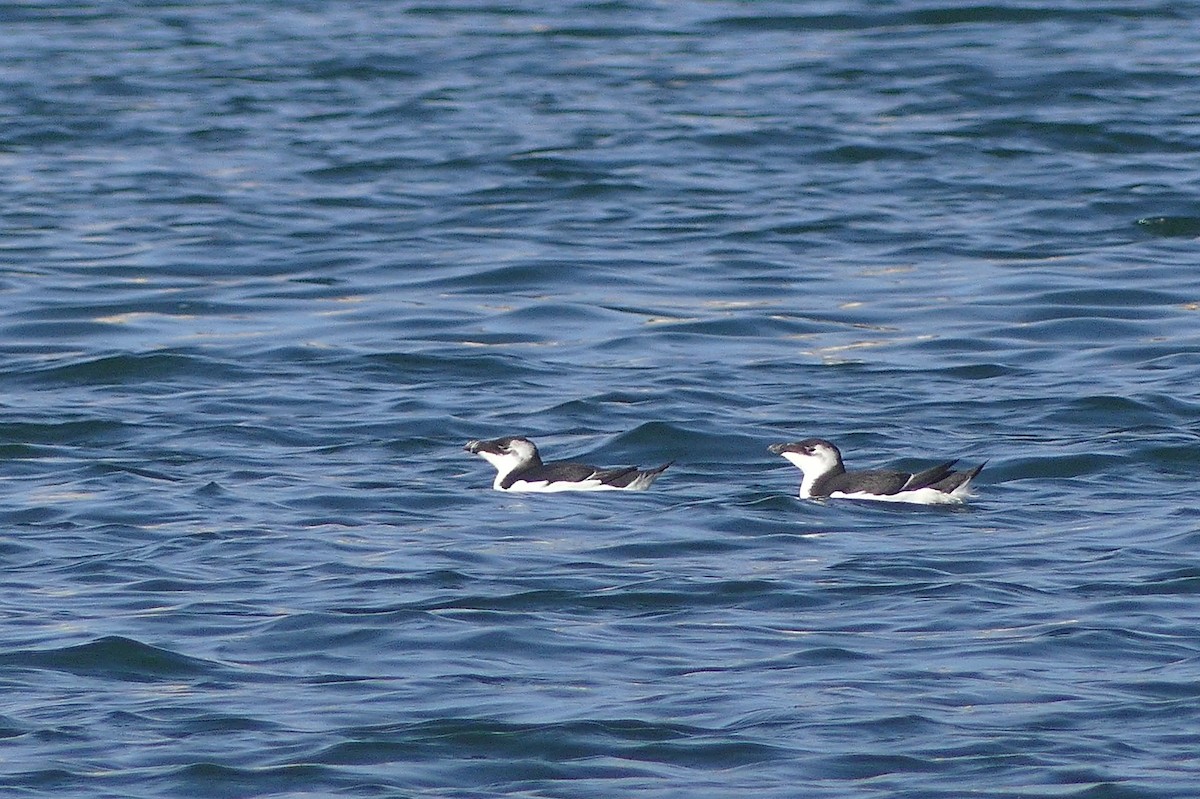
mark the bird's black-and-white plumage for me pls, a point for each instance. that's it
(825, 476)
(519, 467)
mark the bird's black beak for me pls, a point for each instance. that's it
(477, 447)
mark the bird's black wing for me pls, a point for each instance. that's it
(928, 477)
(554, 472)
(881, 483)
(619, 477)
(955, 479)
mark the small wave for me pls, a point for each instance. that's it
(676, 440)
(1171, 226)
(1059, 466)
(151, 367)
(9, 728)
(215, 779)
(886, 19)
(55, 432)
(868, 765)
(113, 657)
(1184, 581)
(625, 739)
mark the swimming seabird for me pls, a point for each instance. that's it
(520, 468)
(826, 476)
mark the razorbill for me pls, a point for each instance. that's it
(520, 468)
(826, 476)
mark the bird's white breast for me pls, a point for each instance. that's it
(545, 487)
(922, 496)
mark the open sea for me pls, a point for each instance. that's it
(266, 267)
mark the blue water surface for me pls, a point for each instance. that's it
(266, 267)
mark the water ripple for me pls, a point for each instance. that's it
(266, 270)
